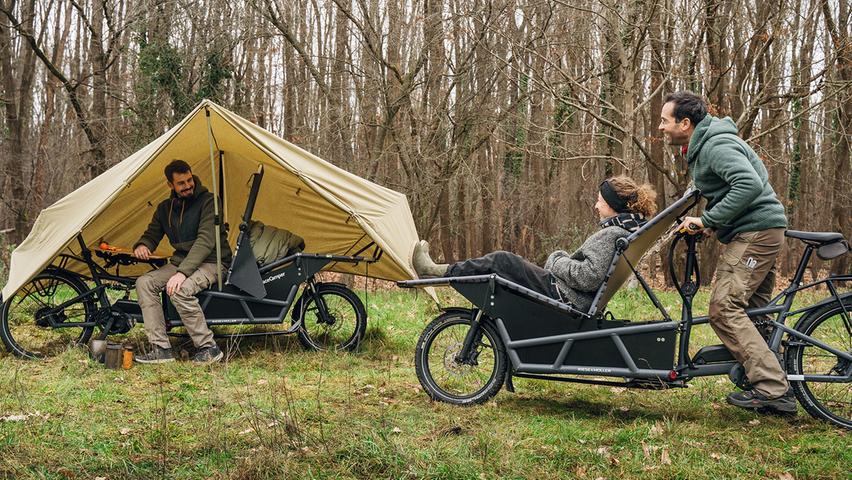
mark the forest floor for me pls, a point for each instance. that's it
(273, 410)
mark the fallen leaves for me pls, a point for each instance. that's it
(21, 417)
(646, 450)
(605, 452)
(664, 457)
(14, 418)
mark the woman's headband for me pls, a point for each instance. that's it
(613, 199)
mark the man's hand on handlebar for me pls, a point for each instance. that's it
(142, 253)
(693, 226)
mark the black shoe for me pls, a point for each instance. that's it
(157, 354)
(208, 355)
(754, 400)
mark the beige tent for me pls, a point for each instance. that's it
(335, 211)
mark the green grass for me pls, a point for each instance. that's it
(275, 411)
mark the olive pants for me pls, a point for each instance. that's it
(745, 278)
(148, 288)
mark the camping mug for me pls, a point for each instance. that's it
(114, 356)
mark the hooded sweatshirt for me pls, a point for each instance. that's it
(733, 179)
(188, 222)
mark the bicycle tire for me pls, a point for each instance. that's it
(429, 349)
(19, 329)
(822, 400)
(348, 322)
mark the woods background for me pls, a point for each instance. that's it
(498, 118)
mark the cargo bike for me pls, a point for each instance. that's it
(466, 355)
(60, 307)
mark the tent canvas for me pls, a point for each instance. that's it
(335, 211)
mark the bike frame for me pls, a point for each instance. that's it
(781, 306)
(592, 348)
(299, 269)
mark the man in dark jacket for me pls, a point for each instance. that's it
(186, 218)
(746, 215)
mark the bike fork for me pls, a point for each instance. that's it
(466, 355)
(324, 316)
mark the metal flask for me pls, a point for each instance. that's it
(97, 349)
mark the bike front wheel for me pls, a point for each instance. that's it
(831, 401)
(33, 326)
(448, 378)
(333, 318)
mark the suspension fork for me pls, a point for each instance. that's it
(311, 290)
(467, 354)
(687, 291)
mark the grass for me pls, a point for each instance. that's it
(275, 411)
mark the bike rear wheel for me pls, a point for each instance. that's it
(447, 379)
(30, 325)
(341, 327)
(825, 400)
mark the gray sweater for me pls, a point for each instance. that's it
(580, 274)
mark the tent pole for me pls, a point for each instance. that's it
(216, 220)
(222, 187)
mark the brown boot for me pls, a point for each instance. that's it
(423, 263)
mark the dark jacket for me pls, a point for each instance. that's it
(579, 275)
(734, 181)
(188, 222)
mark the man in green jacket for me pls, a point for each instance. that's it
(746, 215)
(186, 218)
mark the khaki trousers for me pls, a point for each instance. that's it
(745, 278)
(148, 288)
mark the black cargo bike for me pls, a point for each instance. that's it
(60, 307)
(466, 355)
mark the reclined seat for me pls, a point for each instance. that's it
(542, 315)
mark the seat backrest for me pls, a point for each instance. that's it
(638, 243)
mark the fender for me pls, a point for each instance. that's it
(457, 310)
(297, 305)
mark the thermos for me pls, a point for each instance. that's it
(127, 357)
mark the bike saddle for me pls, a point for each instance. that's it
(816, 237)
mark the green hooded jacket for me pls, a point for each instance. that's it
(188, 222)
(733, 179)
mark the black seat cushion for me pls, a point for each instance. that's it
(816, 237)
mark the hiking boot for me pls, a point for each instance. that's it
(208, 355)
(157, 354)
(754, 400)
(423, 263)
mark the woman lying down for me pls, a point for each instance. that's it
(623, 206)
